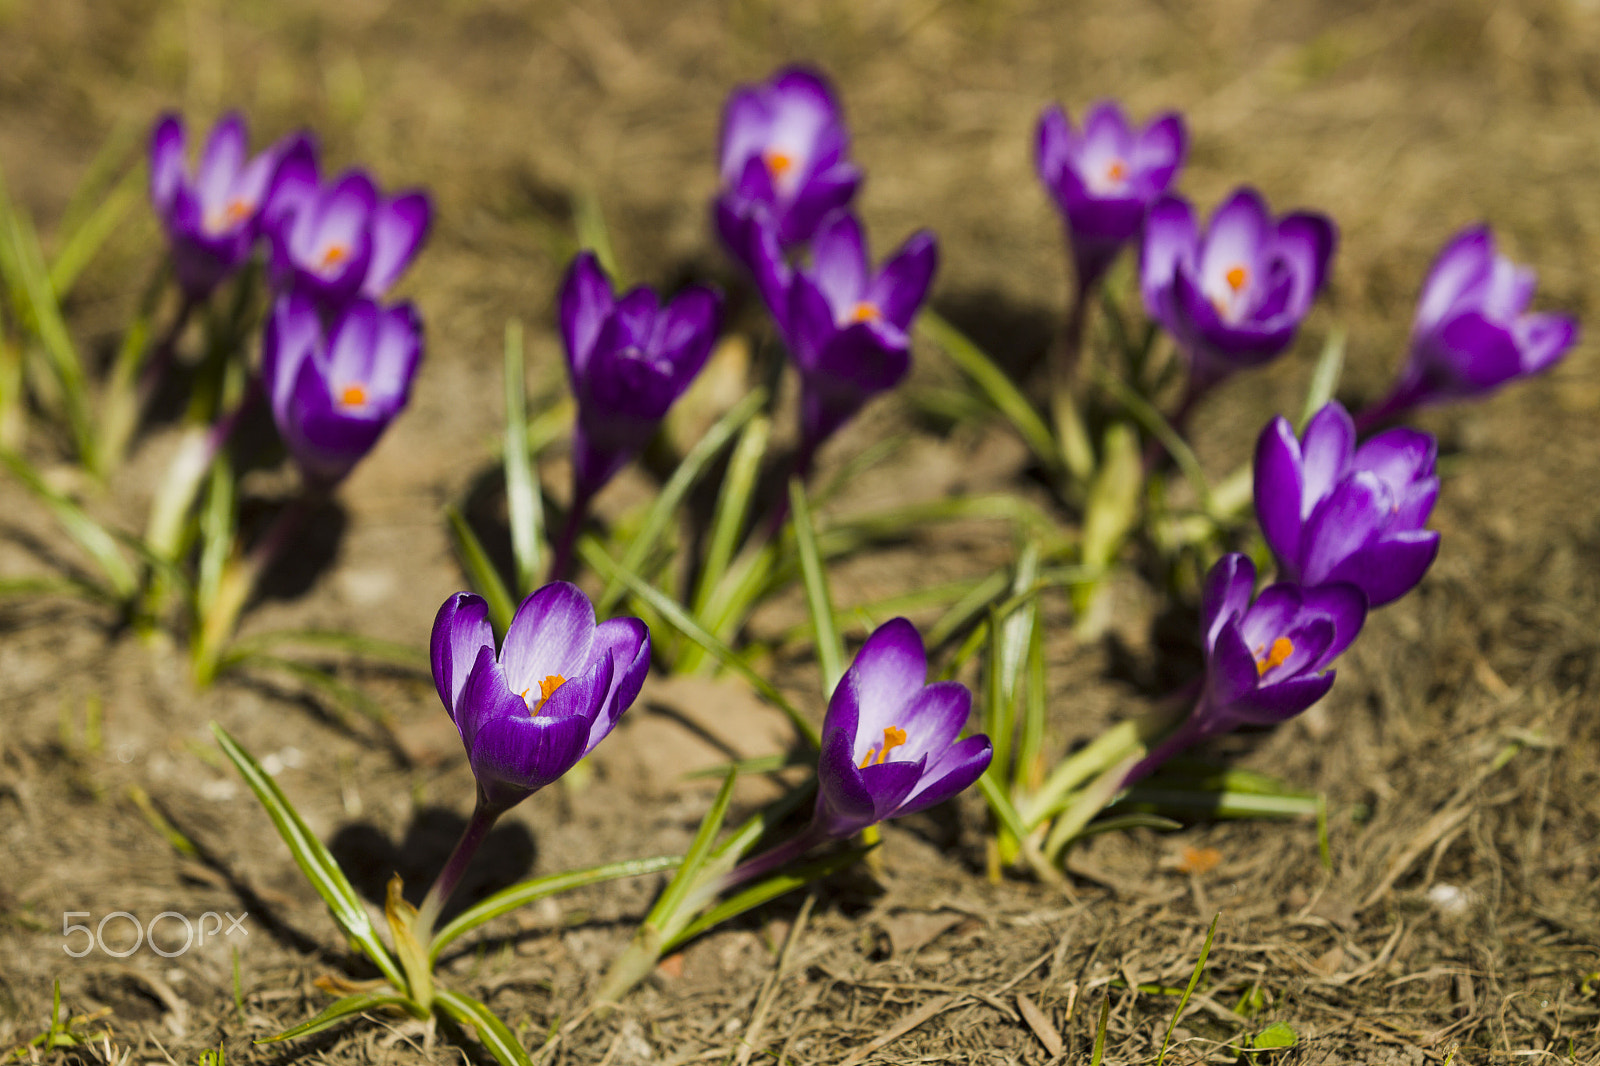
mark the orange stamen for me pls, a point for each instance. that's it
(547, 688)
(864, 312)
(778, 163)
(1282, 648)
(1236, 277)
(353, 396)
(237, 211)
(1116, 171)
(893, 737)
(334, 255)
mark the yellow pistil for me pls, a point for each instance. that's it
(778, 163)
(893, 737)
(1282, 648)
(547, 688)
(352, 396)
(864, 312)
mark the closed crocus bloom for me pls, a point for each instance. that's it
(1233, 297)
(338, 241)
(628, 358)
(1335, 512)
(890, 740)
(335, 391)
(783, 162)
(1105, 178)
(555, 689)
(212, 217)
(847, 327)
(1266, 661)
(1473, 332)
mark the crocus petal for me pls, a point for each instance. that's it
(222, 159)
(1226, 594)
(889, 669)
(399, 226)
(1462, 265)
(902, 284)
(485, 697)
(1330, 441)
(586, 302)
(1279, 489)
(514, 756)
(626, 641)
(1052, 146)
(1397, 456)
(890, 783)
(167, 162)
(1271, 704)
(1543, 339)
(844, 804)
(956, 771)
(839, 262)
(932, 721)
(1482, 353)
(1239, 231)
(1346, 607)
(1389, 568)
(1306, 242)
(1231, 672)
(293, 333)
(460, 630)
(1169, 242)
(551, 634)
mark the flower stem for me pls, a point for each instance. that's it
(773, 858)
(577, 514)
(478, 826)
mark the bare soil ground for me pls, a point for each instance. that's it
(1459, 753)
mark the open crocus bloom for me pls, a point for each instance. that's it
(1234, 297)
(1473, 332)
(629, 359)
(342, 240)
(846, 326)
(1266, 661)
(556, 688)
(334, 394)
(1333, 512)
(890, 740)
(212, 218)
(783, 162)
(1105, 179)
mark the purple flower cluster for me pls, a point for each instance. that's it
(784, 213)
(337, 365)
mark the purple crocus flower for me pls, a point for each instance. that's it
(847, 327)
(890, 742)
(342, 240)
(1333, 512)
(783, 162)
(1473, 332)
(556, 688)
(1266, 661)
(1232, 298)
(333, 393)
(212, 217)
(1105, 178)
(629, 358)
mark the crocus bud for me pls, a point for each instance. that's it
(628, 359)
(1473, 332)
(890, 740)
(783, 162)
(335, 391)
(1234, 297)
(1104, 179)
(555, 689)
(1333, 512)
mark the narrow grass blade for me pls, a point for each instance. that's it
(524, 507)
(1030, 745)
(994, 383)
(590, 222)
(343, 696)
(341, 1009)
(125, 144)
(52, 586)
(732, 599)
(899, 522)
(218, 533)
(524, 892)
(664, 915)
(389, 652)
(492, 1032)
(84, 531)
(44, 318)
(480, 571)
(312, 857)
(1194, 979)
(830, 650)
(1217, 804)
(674, 615)
(1004, 810)
(1099, 1051)
(969, 607)
(1154, 423)
(677, 487)
(732, 511)
(80, 244)
(551, 424)
(797, 876)
(1325, 378)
